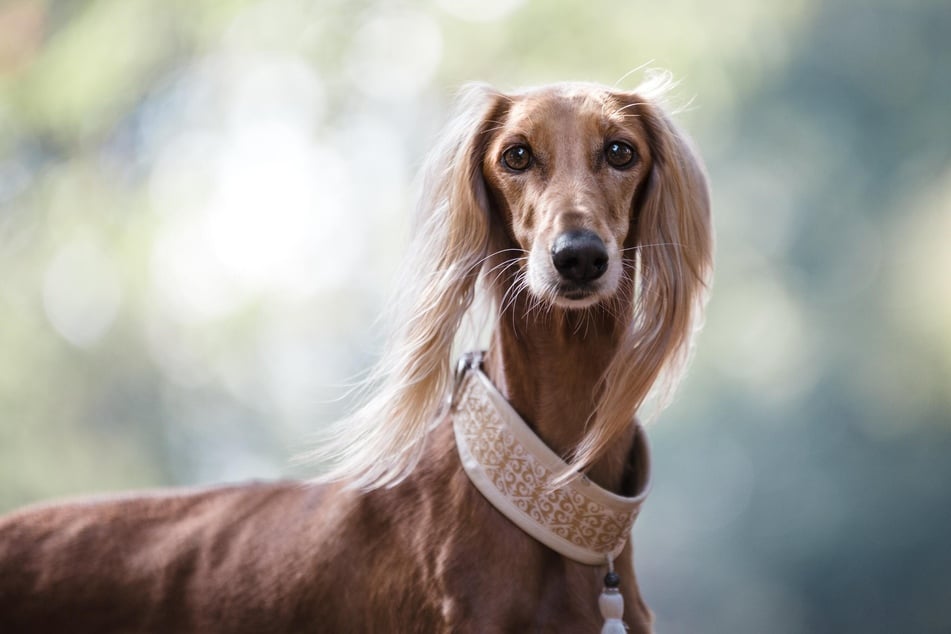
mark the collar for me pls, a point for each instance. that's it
(514, 469)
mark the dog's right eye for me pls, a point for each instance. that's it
(517, 158)
(620, 155)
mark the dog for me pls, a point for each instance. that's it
(581, 213)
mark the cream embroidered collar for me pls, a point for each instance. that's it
(514, 469)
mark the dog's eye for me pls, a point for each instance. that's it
(517, 158)
(619, 155)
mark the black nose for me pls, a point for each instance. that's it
(579, 256)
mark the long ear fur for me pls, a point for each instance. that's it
(382, 442)
(674, 247)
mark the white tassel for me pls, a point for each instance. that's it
(611, 603)
(612, 609)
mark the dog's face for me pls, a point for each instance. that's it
(563, 168)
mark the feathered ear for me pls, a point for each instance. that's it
(382, 442)
(674, 255)
(675, 214)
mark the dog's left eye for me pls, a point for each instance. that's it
(517, 158)
(619, 155)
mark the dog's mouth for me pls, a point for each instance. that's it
(574, 296)
(574, 293)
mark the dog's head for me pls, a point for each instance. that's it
(589, 185)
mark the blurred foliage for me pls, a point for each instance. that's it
(201, 204)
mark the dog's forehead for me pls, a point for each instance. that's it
(562, 104)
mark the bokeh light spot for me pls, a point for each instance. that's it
(395, 54)
(480, 10)
(81, 292)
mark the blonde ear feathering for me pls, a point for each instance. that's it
(674, 263)
(381, 442)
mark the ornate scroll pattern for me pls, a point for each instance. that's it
(522, 478)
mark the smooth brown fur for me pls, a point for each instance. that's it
(428, 554)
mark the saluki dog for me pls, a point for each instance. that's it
(578, 216)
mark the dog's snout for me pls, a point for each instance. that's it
(579, 256)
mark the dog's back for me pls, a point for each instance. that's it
(256, 558)
(222, 559)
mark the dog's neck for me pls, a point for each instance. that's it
(547, 363)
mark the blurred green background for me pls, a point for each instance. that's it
(202, 203)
